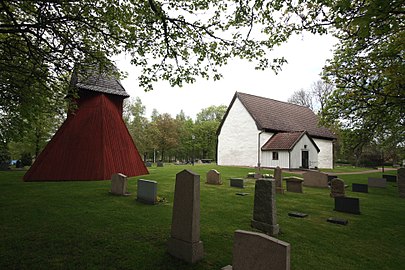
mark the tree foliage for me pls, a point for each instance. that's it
(368, 66)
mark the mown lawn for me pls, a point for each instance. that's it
(79, 225)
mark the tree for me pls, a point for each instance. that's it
(206, 125)
(321, 91)
(163, 132)
(303, 98)
(137, 123)
(368, 66)
(176, 41)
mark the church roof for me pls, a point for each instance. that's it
(285, 141)
(278, 116)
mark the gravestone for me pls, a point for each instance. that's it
(390, 178)
(360, 188)
(337, 188)
(147, 191)
(294, 184)
(258, 251)
(297, 214)
(185, 242)
(264, 209)
(237, 182)
(214, 177)
(331, 177)
(279, 183)
(315, 179)
(119, 183)
(377, 182)
(347, 205)
(258, 175)
(337, 221)
(159, 164)
(148, 164)
(251, 175)
(401, 182)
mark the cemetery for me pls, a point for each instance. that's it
(71, 224)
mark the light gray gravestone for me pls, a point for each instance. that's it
(214, 177)
(401, 182)
(337, 188)
(147, 191)
(377, 182)
(258, 251)
(264, 209)
(237, 182)
(315, 179)
(294, 184)
(119, 183)
(185, 242)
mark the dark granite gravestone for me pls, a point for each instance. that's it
(390, 178)
(401, 182)
(237, 182)
(377, 182)
(297, 214)
(160, 164)
(148, 164)
(347, 205)
(337, 221)
(264, 207)
(360, 188)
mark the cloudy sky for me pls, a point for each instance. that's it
(306, 55)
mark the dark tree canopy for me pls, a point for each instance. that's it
(178, 41)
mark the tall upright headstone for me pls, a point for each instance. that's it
(264, 210)
(185, 242)
(279, 183)
(258, 251)
(401, 182)
(119, 183)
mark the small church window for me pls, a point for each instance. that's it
(275, 155)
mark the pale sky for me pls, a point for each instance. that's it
(306, 55)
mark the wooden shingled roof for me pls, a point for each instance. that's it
(285, 141)
(278, 116)
(103, 83)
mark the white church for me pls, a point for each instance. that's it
(258, 131)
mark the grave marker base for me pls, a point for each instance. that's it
(187, 251)
(265, 227)
(337, 221)
(297, 214)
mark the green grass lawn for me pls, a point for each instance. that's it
(79, 225)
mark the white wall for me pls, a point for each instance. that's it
(296, 153)
(283, 159)
(238, 140)
(325, 156)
